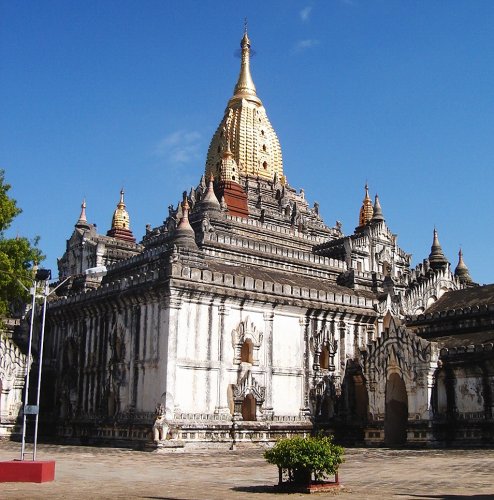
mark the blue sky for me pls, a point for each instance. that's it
(97, 95)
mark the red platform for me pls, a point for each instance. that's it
(27, 471)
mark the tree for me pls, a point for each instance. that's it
(302, 458)
(17, 257)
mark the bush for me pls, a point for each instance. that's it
(301, 457)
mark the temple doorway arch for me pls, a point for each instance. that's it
(396, 411)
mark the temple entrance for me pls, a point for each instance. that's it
(249, 408)
(396, 411)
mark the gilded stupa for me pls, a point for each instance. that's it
(120, 224)
(245, 133)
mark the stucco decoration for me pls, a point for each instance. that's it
(248, 385)
(425, 289)
(323, 347)
(246, 330)
(12, 372)
(400, 351)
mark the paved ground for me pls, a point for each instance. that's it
(109, 473)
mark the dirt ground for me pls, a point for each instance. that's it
(110, 473)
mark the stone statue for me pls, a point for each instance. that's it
(160, 426)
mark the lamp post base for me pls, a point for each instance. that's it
(27, 471)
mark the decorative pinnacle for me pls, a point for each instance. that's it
(185, 208)
(82, 217)
(366, 211)
(462, 271)
(245, 85)
(437, 259)
(120, 219)
(184, 226)
(82, 222)
(378, 213)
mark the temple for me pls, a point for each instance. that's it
(245, 317)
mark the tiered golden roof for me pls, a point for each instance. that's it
(246, 131)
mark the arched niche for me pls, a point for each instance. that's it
(249, 408)
(247, 352)
(246, 340)
(324, 358)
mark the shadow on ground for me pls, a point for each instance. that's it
(262, 488)
(451, 497)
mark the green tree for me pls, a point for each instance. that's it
(17, 256)
(301, 458)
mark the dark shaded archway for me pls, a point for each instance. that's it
(355, 399)
(396, 411)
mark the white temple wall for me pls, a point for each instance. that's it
(288, 364)
(197, 357)
(288, 342)
(287, 394)
(196, 389)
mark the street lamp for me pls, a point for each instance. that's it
(42, 276)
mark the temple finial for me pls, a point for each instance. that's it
(120, 222)
(245, 87)
(82, 217)
(366, 211)
(461, 271)
(82, 222)
(210, 201)
(437, 260)
(184, 234)
(378, 213)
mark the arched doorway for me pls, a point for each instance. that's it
(396, 411)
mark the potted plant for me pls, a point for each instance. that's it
(305, 462)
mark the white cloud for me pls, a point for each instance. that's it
(305, 13)
(302, 45)
(180, 146)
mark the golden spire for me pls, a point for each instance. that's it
(366, 211)
(120, 223)
(120, 218)
(245, 132)
(245, 88)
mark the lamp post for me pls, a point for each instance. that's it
(42, 275)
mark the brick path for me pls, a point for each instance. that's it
(109, 473)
